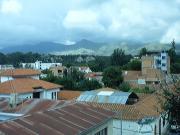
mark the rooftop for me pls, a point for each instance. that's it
(107, 96)
(68, 94)
(148, 106)
(59, 121)
(24, 85)
(20, 72)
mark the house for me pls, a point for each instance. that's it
(85, 120)
(58, 71)
(84, 69)
(23, 88)
(18, 84)
(94, 76)
(12, 74)
(156, 60)
(154, 69)
(5, 67)
(137, 114)
(39, 65)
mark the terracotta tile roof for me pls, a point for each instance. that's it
(20, 72)
(72, 119)
(149, 106)
(68, 94)
(24, 85)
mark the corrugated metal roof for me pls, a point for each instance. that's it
(117, 97)
(71, 119)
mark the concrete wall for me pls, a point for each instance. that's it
(108, 124)
(45, 94)
(6, 78)
(133, 128)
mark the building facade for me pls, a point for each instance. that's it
(39, 65)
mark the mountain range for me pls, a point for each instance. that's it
(86, 47)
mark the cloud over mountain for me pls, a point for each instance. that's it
(32, 21)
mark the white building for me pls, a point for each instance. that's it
(22, 88)
(136, 115)
(156, 60)
(39, 65)
(19, 84)
(5, 67)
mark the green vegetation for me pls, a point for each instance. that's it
(133, 65)
(142, 52)
(118, 57)
(73, 81)
(174, 59)
(112, 77)
(124, 87)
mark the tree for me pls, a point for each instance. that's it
(118, 58)
(3, 58)
(112, 77)
(142, 52)
(98, 65)
(172, 101)
(124, 87)
(89, 85)
(133, 65)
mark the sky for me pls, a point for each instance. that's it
(68, 21)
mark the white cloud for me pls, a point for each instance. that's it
(99, 20)
(82, 19)
(11, 7)
(172, 33)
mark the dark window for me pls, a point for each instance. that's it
(52, 94)
(163, 64)
(36, 95)
(160, 126)
(155, 130)
(163, 57)
(164, 121)
(102, 132)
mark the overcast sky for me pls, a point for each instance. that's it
(29, 21)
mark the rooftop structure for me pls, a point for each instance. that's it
(20, 72)
(72, 119)
(145, 116)
(116, 97)
(68, 94)
(20, 89)
(12, 74)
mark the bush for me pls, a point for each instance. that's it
(124, 87)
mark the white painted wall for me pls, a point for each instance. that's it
(48, 94)
(108, 124)
(6, 78)
(133, 128)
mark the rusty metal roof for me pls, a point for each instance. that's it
(72, 119)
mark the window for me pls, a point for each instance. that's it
(163, 64)
(160, 126)
(52, 95)
(164, 121)
(102, 132)
(163, 57)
